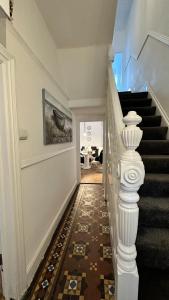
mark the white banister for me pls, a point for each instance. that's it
(125, 175)
(131, 175)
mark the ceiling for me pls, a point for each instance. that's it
(79, 23)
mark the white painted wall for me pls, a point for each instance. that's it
(91, 134)
(84, 71)
(44, 194)
(151, 65)
(5, 6)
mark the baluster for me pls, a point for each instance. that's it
(131, 173)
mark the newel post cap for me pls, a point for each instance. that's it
(132, 118)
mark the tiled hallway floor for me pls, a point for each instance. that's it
(78, 263)
(92, 175)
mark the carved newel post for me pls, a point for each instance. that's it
(131, 174)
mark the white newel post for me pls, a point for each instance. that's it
(131, 173)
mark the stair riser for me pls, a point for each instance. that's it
(156, 166)
(152, 259)
(135, 102)
(153, 218)
(153, 148)
(150, 121)
(154, 189)
(158, 133)
(144, 111)
(129, 95)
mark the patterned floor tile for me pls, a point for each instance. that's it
(79, 252)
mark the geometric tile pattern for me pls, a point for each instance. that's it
(73, 286)
(78, 262)
(106, 252)
(104, 229)
(107, 287)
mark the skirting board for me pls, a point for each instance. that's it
(160, 110)
(39, 254)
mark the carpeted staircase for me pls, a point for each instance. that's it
(153, 234)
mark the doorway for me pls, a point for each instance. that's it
(91, 152)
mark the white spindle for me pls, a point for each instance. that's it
(131, 174)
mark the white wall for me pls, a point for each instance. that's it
(44, 194)
(84, 71)
(151, 65)
(91, 134)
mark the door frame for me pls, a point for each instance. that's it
(91, 118)
(11, 210)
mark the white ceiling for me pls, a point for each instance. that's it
(79, 23)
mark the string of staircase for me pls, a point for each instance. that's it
(153, 235)
(132, 116)
(125, 175)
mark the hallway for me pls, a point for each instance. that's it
(92, 176)
(78, 262)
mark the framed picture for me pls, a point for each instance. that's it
(57, 121)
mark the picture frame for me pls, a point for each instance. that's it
(57, 121)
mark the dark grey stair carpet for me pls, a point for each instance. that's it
(155, 185)
(156, 163)
(136, 102)
(154, 147)
(142, 111)
(153, 236)
(130, 95)
(152, 133)
(150, 121)
(154, 212)
(153, 247)
(153, 284)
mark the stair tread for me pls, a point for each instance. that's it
(154, 147)
(151, 121)
(139, 107)
(135, 102)
(155, 185)
(141, 110)
(154, 212)
(153, 237)
(153, 247)
(129, 94)
(155, 156)
(156, 132)
(154, 127)
(160, 203)
(156, 177)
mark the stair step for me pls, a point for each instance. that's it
(154, 212)
(128, 94)
(142, 111)
(136, 102)
(155, 185)
(153, 248)
(153, 284)
(121, 94)
(154, 147)
(150, 121)
(156, 163)
(154, 133)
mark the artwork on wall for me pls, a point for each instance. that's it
(57, 121)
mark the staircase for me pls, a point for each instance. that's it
(153, 233)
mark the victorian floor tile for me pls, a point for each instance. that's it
(78, 263)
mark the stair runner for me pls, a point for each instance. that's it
(153, 233)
